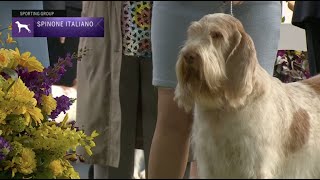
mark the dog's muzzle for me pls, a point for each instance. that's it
(191, 57)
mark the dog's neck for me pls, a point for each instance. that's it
(262, 83)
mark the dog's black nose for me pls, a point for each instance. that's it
(190, 57)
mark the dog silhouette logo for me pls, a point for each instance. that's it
(23, 26)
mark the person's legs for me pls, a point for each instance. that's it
(313, 45)
(129, 89)
(149, 110)
(194, 170)
(91, 172)
(100, 172)
(148, 107)
(170, 21)
(129, 86)
(171, 141)
(187, 172)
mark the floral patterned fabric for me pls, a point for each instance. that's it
(135, 23)
(291, 66)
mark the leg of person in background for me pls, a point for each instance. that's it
(313, 46)
(98, 76)
(194, 170)
(187, 171)
(169, 153)
(171, 141)
(129, 87)
(149, 107)
(100, 172)
(170, 20)
(90, 173)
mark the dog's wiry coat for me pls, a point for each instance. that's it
(247, 124)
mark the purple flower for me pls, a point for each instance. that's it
(4, 148)
(281, 53)
(40, 82)
(63, 104)
(292, 66)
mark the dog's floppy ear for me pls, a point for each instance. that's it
(240, 66)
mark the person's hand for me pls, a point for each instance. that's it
(62, 40)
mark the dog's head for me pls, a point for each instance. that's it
(217, 63)
(17, 22)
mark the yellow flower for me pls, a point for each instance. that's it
(4, 59)
(20, 101)
(3, 116)
(56, 168)
(26, 61)
(73, 174)
(0, 38)
(9, 54)
(26, 163)
(48, 104)
(88, 150)
(27, 118)
(10, 39)
(69, 172)
(36, 115)
(10, 27)
(297, 52)
(94, 134)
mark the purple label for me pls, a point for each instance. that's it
(58, 27)
(22, 27)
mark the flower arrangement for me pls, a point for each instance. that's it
(32, 144)
(291, 66)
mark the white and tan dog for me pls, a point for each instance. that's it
(247, 124)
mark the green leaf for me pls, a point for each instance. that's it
(283, 19)
(44, 173)
(12, 73)
(10, 86)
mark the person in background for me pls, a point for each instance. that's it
(115, 92)
(60, 46)
(170, 21)
(306, 15)
(36, 45)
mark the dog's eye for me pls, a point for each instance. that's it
(215, 34)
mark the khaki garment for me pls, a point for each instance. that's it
(98, 75)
